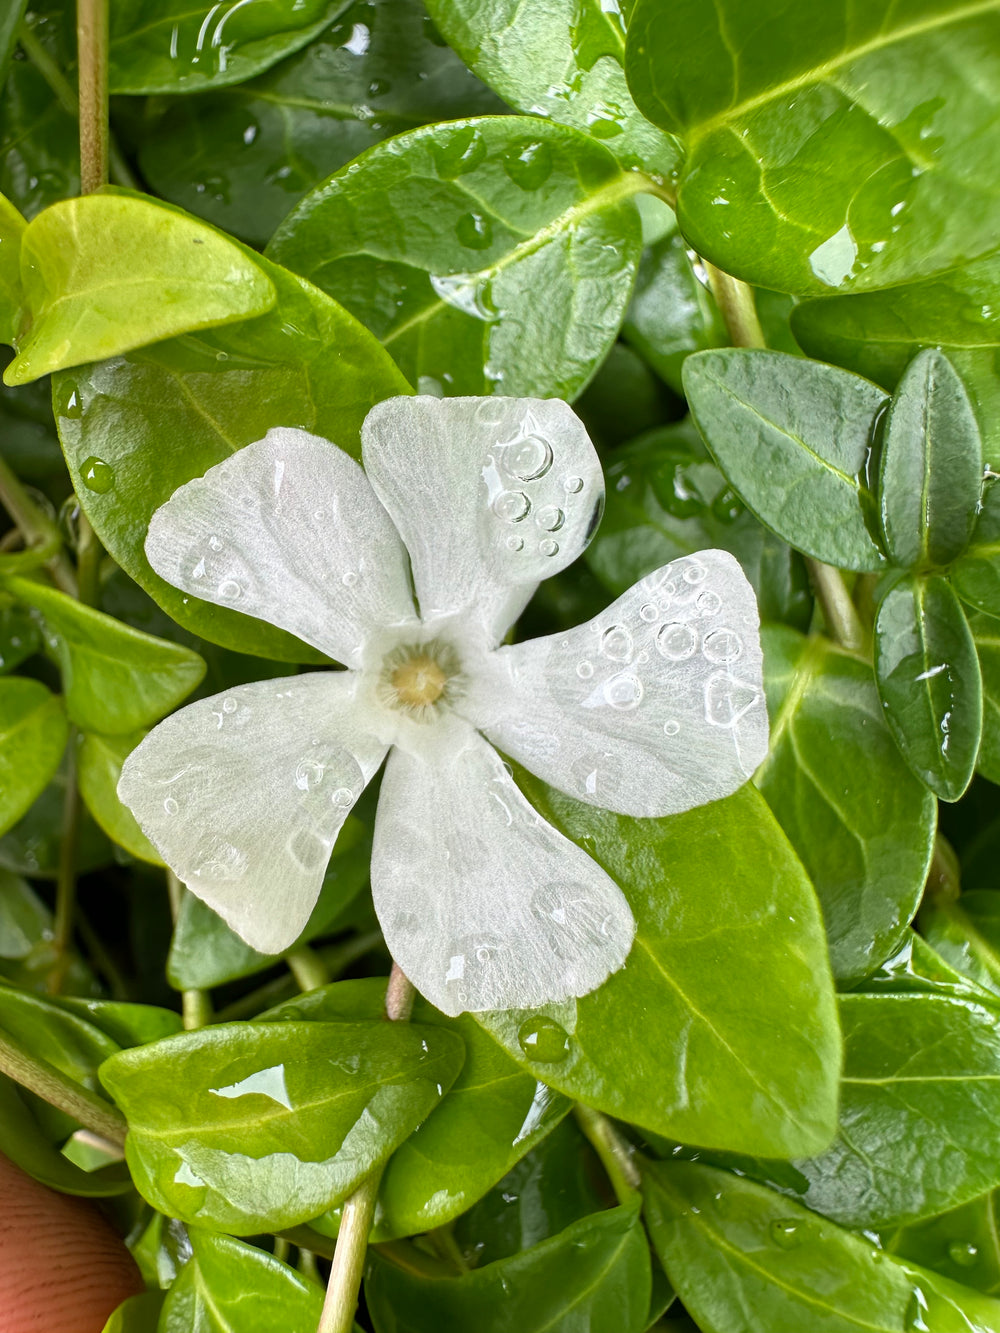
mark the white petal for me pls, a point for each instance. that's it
(288, 530)
(483, 904)
(491, 495)
(653, 707)
(243, 796)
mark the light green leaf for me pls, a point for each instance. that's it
(928, 679)
(739, 1042)
(33, 730)
(137, 1314)
(861, 823)
(12, 227)
(966, 933)
(99, 762)
(975, 576)
(489, 255)
(962, 1244)
(793, 437)
(829, 146)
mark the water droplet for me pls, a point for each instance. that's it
(484, 953)
(574, 485)
(515, 543)
(671, 727)
(215, 543)
(913, 1320)
(97, 475)
(489, 413)
(543, 1040)
(648, 612)
(170, 806)
(722, 645)
(529, 165)
(511, 506)
(709, 603)
(963, 1253)
(229, 705)
(727, 505)
(786, 1233)
(529, 458)
(460, 153)
(349, 579)
(623, 691)
(474, 231)
(584, 670)
(677, 641)
(230, 590)
(616, 644)
(551, 518)
(342, 798)
(548, 547)
(308, 774)
(727, 699)
(694, 572)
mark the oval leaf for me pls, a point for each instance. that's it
(33, 730)
(11, 292)
(99, 762)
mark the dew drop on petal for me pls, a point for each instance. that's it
(343, 797)
(229, 705)
(584, 670)
(511, 506)
(349, 579)
(623, 691)
(308, 774)
(515, 543)
(694, 572)
(529, 458)
(709, 603)
(548, 547)
(677, 641)
(616, 644)
(230, 590)
(551, 518)
(727, 699)
(170, 806)
(573, 485)
(648, 612)
(722, 645)
(671, 727)
(215, 543)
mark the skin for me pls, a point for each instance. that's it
(62, 1266)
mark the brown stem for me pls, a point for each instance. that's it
(92, 54)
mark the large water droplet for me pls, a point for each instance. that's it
(543, 1040)
(786, 1232)
(623, 691)
(726, 700)
(308, 774)
(722, 645)
(461, 152)
(551, 518)
(474, 231)
(97, 475)
(529, 458)
(511, 506)
(963, 1253)
(230, 590)
(677, 641)
(68, 403)
(616, 644)
(548, 547)
(529, 165)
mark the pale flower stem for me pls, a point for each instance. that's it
(307, 968)
(196, 1007)
(92, 54)
(615, 1153)
(359, 1210)
(59, 1090)
(737, 307)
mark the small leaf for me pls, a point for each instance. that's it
(98, 767)
(975, 576)
(108, 273)
(986, 633)
(793, 437)
(273, 1123)
(115, 678)
(33, 846)
(931, 474)
(33, 730)
(929, 682)
(11, 292)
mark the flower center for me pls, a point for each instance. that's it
(420, 678)
(419, 681)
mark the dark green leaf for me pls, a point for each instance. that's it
(975, 576)
(138, 1314)
(561, 59)
(793, 437)
(28, 955)
(487, 255)
(827, 147)
(99, 762)
(36, 1149)
(243, 156)
(33, 845)
(108, 273)
(39, 136)
(229, 1287)
(963, 1244)
(11, 292)
(739, 1042)
(742, 1257)
(136, 428)
(594, 1275)
(986, 633)
(931, 473)
(164, 46)
(20, 637)
(862, 825)
(10, 20)
(929, 682)
(328, 1102)
(33, 730)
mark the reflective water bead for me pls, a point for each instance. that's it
(671, 727)
(584, 670)
(722, 645)
(511, 506)
(676, 641)
(623, 691)
(548, 547)
(529, 458)
(308, 774)
(97, 475)
(229, 705)
(170, 806)
(709, 603)
(727, 699)
(543, 1040)
(785, 1232)
(551, 518)
(694, 572)
(515, 543)
(342, 797)
(648, 612)
(573, 485)
(230, 590)
(616, 644)
(215, 543)
(963, 1253)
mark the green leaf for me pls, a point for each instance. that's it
(665, 499)
(919, 969)
(165, 46)
(12, 227)
(33, 845)
(125, 1023)
(28, 955)
(229, 1287)
(20, 637)
(33, 730)
(488, 255)
(739, 1043)
(137, 1314)
(929, 682)
(594, 1275)
(115, 678)
(793, 437)
(99, 762)
(10, 21)
(862, 825)
(966, 933)
(742, 1257)
(327, 1103)
(986, 633)
(39, 136)
(975, 576)
(931, 473)
(136, 428)
(243, 156)
(108, 273)
(36, 1149)
(877, 333)
(827, 147)
(561, 59)
(962, 1244)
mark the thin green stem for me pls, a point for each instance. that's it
(359, 1210)
(35, 527)
(841, 615)
(59, 1090)
(92, 55)
(196, 1006)
(613, 1150)
(69, 846)
(308, 968)
(737, 306)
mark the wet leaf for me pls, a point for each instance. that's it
(975, 576)
(33, 730)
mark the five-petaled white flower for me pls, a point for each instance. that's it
(653, 707)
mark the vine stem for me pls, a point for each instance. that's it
(92, 54)
(359, 1210)
(196, 1007)
(613, 1150)
(59, 1090)
(62, 929)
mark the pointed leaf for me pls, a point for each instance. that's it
(99, 762)
(11, 292)
(33, 730)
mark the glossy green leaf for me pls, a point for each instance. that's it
(793, 437)
(929, 682)
(975, 576)
(244, 155)
(862, 825)
(28, 955)
(739, 1042)
(489, 255)
(229, 1287)
(830, 146)
(877, 333)
(986, 633)
(966, 933)
(164, 46)
(594, 1275)
(115, 679)
(917, 968)
(20, 636)
(33, 730)
(39, 136)
(137, 1314)
(35, 1147)
(33, 845)
(743, 1257)
(11, 292)
(273, 1123)
(962, 1244)
(126, 1023)
(931, 473)
(136, 428)
(108, 273)
(99, 762)
(10, 19)
(561, 59)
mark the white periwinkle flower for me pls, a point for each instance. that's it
(653, 707)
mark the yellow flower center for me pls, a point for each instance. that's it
(418, 681)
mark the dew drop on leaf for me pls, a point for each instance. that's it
(97, 475)
(963, 1253)
(543, 1040)
(474, 231)
(786, 1233)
